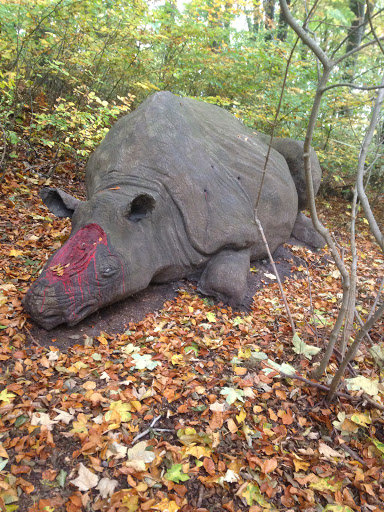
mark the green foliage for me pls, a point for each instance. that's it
(68, 69)
(175, 474)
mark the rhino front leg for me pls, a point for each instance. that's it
(226, 276)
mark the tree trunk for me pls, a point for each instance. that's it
(269, 17)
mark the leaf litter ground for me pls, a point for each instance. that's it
(178, 406)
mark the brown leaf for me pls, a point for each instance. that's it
(269, 466)
(209, 466)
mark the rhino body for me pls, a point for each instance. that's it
(171, 189)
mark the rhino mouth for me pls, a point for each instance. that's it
(81, 312)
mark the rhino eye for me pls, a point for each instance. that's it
(108, 272)
(140, 208)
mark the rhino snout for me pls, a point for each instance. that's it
(85, 274)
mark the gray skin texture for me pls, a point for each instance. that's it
(171, 189)
(292, 151)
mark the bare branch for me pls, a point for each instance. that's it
(352, 351)
(377, 298)
(354, 30)
(323, 58)
(352, 86)
(2, 171)
(274, 125)
(276, 273)
(375, 115)
(372, 27)
(358, 49)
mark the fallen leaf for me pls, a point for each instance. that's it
(86, 479)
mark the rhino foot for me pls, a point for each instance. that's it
(305, 231)
(226, 276)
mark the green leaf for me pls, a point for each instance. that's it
(322, 484)
(144, 362)
(122, 408)
(175, 474)
(232, 395)
(20, 420)
(6, 397)
(379, 445)
(337, 508)
(284, 368)
(302, 348)
(192, 348)
(237, 321)
(252, 495)
(61, 477)
(210, 317)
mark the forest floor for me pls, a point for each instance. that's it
(169, 401)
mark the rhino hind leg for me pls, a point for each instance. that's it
(305, 231)
(226, 276)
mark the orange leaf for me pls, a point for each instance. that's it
(269, 466)
(216, 420)
(287, 417)
(232, 427)
(272, 415)
(209, 466)
(239, 370)
(18, 470)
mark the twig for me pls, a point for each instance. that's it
(375, 117)
(339, 358)
(276, 274)
(352, 351)
(2, 171)
(201, 496)
(372, 27)
(359, 320)
(311, 383)
(274, 126)
(352, 453)
(372, 402)
(311, 302)
(357, 49)
(327, 388)
(147, 431)
(32, 337)
(376, 299)
(352, 86)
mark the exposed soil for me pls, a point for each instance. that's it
(116, 318)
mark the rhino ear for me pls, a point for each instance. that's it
(59, 202)
(141, 207)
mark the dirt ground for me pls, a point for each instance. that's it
(116, 318)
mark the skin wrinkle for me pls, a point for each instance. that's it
(203, 169)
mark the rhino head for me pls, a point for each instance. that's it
(108, 256)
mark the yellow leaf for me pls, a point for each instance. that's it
(198, 451)
(136, 404)
(166, 505)
(15, 252)
(3, 452)
(177, 359)
(300, 464)
(241, 416)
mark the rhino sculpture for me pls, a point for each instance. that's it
(171, 189)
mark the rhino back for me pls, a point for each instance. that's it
(210, 165)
